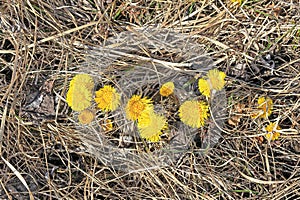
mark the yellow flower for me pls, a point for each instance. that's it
(167, 89)
(79, 95)
(216, 79)
(265, 107)
(86, 116)
(193, 113)
(107, 98)
(271, 131)
(136, 105)
(150, 125)
(144, 119)
(204, 88)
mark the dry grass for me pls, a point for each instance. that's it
(256, 44)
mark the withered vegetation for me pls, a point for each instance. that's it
(43, 44)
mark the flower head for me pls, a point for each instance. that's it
(264, 108)
(216, 79)
(79, 95)
(144, 119)
(167, 89)
(272, 133)
(107, 98)
(150, 125)
(193, 113)
(136, 105)
(204, 88)
(86, 116)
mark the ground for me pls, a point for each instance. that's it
(43, 44)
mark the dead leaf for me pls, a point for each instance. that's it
(235, 119)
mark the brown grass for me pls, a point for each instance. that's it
(256, 44)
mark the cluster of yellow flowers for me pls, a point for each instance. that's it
(215, 81)
(80, 93)
(194, 113)
(141, 109)
(263, 111)
(149, 123)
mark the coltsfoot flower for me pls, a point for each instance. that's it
(167, 89)
(204, 88)
(264, 108)
(80, 92)
(107, 98)
(272, 133)
(150, 125)
(194, 113)
(144, 119)
(216, 79)
(86, 116)
(136, 105)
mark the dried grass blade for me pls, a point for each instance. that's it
(17, 173)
